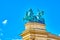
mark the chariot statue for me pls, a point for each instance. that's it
(30, 17)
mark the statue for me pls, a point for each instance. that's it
(34, 18)
(29, 15)
(40, 19)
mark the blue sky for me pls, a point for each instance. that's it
(13, 11)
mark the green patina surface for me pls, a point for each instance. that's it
(34, 18)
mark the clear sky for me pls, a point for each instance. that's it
(13, 11)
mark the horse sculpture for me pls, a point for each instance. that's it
(32, 18)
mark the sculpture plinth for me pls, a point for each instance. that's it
(32, 30)
(35, 26)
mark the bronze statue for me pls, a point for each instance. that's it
(34, 18)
